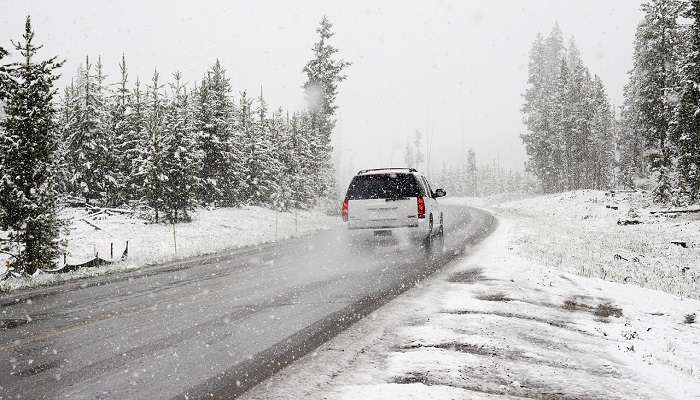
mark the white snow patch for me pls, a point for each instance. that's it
(210, 231)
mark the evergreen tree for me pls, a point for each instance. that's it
(64, 121)
(323, 74)
(581, 146)
(151, 161)
(281, 150)
(569, 139)
(217, 138)
(685, 131)
(562, 141)
(472, 187)
(303, 183)
(601, 157)
(653, 82)
(180, 156)
(266, 160)
(542, 141)
(88, 138)
(28, 145)
(130, 147)
(250, 148)
(110, 160)
(125, 143)
(206, 143)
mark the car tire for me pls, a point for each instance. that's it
(428, 240)
(440, 242)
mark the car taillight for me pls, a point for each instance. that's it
(344, 211)
(421, 207)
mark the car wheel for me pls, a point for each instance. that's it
(440, 245)
(428, 240)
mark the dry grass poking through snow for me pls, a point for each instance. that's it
(578, 232)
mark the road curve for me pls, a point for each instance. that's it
(208, 327)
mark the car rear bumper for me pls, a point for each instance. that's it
(417, 231)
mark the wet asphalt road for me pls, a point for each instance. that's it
(208, 327)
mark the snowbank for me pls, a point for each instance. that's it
(210, 231)
(584, 232)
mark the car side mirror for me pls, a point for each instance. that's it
(440, 193)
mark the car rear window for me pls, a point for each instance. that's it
(383, 186)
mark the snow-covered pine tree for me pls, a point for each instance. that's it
(303, 185)
(125, 144)
(217, 139)
(308, 152)
(560, 109)
(181, 158)
(280, 135)
(250, 150)
(323, 74)
(561, 142)
(64, 121)
(28, 144)
(206, 143)
(110, 161)
(541, 140)
(133, 142)
(151, 166)
(580, 146)
(630, 142)
(473, 187)
(685, 129)
(654, 81)
(88, 140)
(601, 156)
(279, 146)
(264, 166)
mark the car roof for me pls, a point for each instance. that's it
(377, 171)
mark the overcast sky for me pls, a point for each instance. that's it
(453, 69)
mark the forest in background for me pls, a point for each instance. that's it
(659, 135)
(159, 145)
(574, 140)
(570, 139)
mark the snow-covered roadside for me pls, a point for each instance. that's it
(578, 232)
(210, 231)
(496, 325)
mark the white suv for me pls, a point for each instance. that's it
(394, 202)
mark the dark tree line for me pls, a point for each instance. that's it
(570, 124)
(660, 119)
(158, 144)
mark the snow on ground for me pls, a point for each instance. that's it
(578, 232)
(498, 325)
(210, 231)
